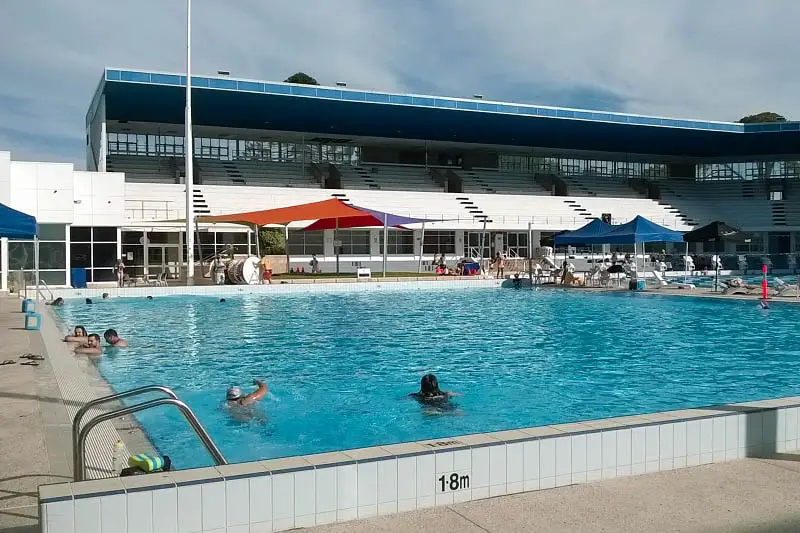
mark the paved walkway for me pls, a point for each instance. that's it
(751, 495)
(33, 420)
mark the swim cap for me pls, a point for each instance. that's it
(234, 393)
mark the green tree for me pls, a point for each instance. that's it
(272, 241)
(301, 78)
(759, 118)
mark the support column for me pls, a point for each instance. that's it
(67, 256)
(101, 163)
(119, 243)
(146, 242)
(4, 264)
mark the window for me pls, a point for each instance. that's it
(400, 242)
(517, 244)
(52, 255)
(776, 196)
(306, 242)
(354, 241)
(439, 242)
(95, 249)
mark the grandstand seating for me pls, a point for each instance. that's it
(739, 203)
(258, 173)
(387, 177)
(145, 169)
(605, 186)
(500, 182)
(621, 210)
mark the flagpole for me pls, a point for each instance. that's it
(189, 152)
(385, 241)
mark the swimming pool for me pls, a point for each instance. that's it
(339, 366)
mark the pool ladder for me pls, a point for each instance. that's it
(79, 435)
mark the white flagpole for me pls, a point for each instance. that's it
(189, 152)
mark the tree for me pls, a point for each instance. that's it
(272, 241)
(301, 78)
(765, 116)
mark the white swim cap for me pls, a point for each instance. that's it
(234, 393)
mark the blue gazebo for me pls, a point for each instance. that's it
(18, 225)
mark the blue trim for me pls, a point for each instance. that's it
(100, 494)
(56, 499)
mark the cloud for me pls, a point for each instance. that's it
(716, 59)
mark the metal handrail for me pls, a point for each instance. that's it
(46, 286)
(187, 413)
(76, 422)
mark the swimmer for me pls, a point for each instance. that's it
(429, 390)
(105, 295)
(222, 300)
(114, 339)
(92, 346)
(764, 304)
(149, 298)
(58, 301)
(234, 397)
(88, 301)
(79, 335)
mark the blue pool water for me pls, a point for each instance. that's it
(339, 366)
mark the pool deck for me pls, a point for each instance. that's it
(749, 495)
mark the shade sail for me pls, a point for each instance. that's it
(368, 218)
(637, 230)
(16, 224)
(582, 236)
(333, 209)
(715, 232)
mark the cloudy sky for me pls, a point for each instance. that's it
(714, 59)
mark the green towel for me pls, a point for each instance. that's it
(146, 463)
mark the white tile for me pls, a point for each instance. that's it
(609, 449)
(282, 500)
(563, 456)
(260, 499)
(406, 505)
(480, 467)
(624, 447)
(87, 515)
(237, 502)
(741, 424)
(515, 462)
(706, 436)
(480, 493)
(547, 482)
(444, 499)
(304, 521)
(325, 486)
(594, 452)
(679, 462)
(190, 502)
(462, 461)
(387, 482)
(406, 479)
(769, 420)
(718, 435)
(426, 477)
(283, 524)
(304, 496)
(444, 462)
(731, 432)
(651, 443)
(427, 501)
(780, 434)
(625, 470)
(261, 527)
(791, 428)
(497, 469)
(666, 442)
(679, 439)
(346, 488)
(368, 485)
(113, 513)
(693, 437)
(578, 455)
(213, 505)
(165, 510)
(547, 462)
(60, 517)
(140, 511)
(638, 469)
(237, 529)
(462, 496)
(637, 446)
(531, 460)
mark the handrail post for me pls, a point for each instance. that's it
(187, 413)
(76, 422)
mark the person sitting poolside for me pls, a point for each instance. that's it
(79, 335)
(92, 346)
(234, 395)
(114, 339)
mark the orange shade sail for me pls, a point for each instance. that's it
(333, 208)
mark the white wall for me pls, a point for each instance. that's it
(44, 190)
(101, 198)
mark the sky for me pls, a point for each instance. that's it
(708, 59)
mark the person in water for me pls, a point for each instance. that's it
(92, 346)
(58, 301)
(234, 395)
(429, 390)
(114, 339)
(79, 335)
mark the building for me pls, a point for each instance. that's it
(496, 175)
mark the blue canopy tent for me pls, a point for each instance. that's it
(17, 225)
(637, 230)
(584, 235)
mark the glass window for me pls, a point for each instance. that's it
(105, 234)
(306, 242)
(54, 277)
(517, 244)
(439, 242)
(131, 237)
(105, 254)
(354, 241)
(20, 255)
(52, 232)
(80, 234)
(52, 255)
(400, 242)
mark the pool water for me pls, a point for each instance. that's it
(340, 366)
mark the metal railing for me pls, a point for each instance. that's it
(79, 435)
(44, 286)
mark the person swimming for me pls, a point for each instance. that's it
(429, 390)
(92, 346)
(235, 398)
(58, 301)
(114, 339)
(79, 335)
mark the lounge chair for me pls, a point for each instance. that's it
(784, 289)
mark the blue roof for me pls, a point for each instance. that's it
(637, 230)
(16, 224)
(584, 235)
(235, 103)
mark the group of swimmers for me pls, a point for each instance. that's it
(89, 344)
